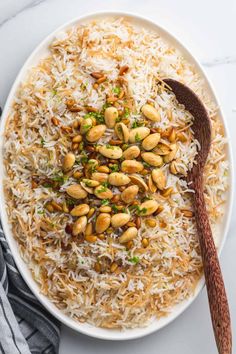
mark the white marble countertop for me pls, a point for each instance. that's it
(208, 28)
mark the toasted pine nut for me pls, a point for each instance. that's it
(66, 129)
(90, 213)
(144, 172)
(166, 192)
(103, 169)
(75, 146)
(115, 142)
(162, 224)
(55, 121)
(145, 242)
(119, 207)
(111, 99)
(151, 222)
(122, 188)
(70, 103)
(101, 236)
(77, 139)
(56, 206)
(90, 238)
(123, 70)
(136, 202)
(129, 245)
(105, 209)
(166, 133)
(65, 207)
(34, 184)
(76, 124)
(114, 267)
(169, 115)
(97, 267)
(187, 213)
(121, 95)
(49, 208)
(96, 75)
(89, 229)
(172, 136)
(128, 235)
(77, 174)
(116, 198)
(91, 109)
(75, 108)
(138, 222)
(126, 121)
(109, 230)
(101, 80)
(131, 224)
(182, 137)
(159, 210)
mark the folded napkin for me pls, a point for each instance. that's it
(25, 326)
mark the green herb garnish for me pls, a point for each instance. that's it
(102, 189)
(112, 147)
(141, 211)
(137, 138)
(114, 208)
(70, 201)
(87, 183)
(105, 106)
(127, 112)
(138, 210)
(83, 159)
(137, 124)
(134, 260)
(83, 86)
(93, 165)
(54, 92)
(114, 168)
(47, 185)
(133, 207)
(42, 142)
(105, 202)
(146, 165)
(60, 178)
(118, 119)
(81, 146)
(87, 126)
(116, 90)
(98, 116)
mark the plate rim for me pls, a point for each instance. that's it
(65, 319)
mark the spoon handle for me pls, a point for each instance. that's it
(214, 281)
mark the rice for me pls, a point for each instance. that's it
(150, 280)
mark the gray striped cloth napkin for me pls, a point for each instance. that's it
(25, 326)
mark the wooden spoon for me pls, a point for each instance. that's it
(214, 281)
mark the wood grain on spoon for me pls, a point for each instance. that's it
(214, 281)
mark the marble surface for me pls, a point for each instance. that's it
(208, 28)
